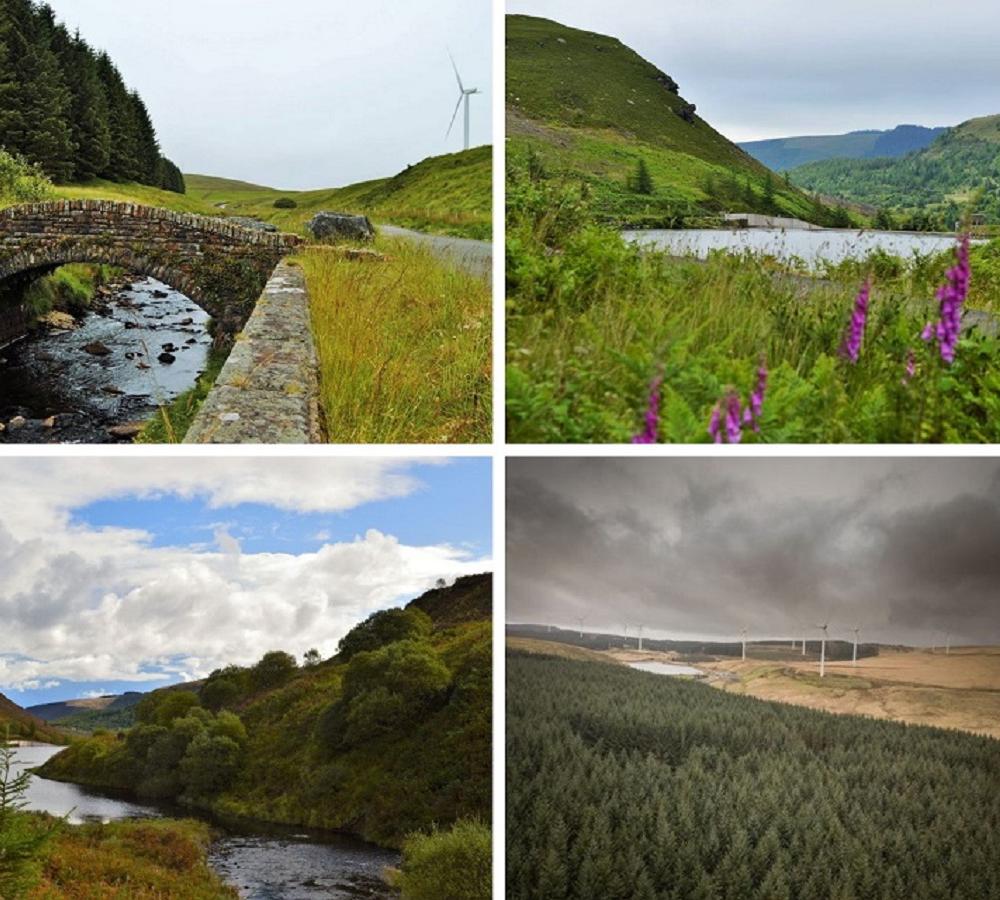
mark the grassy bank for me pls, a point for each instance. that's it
(171, 422)
(404, 347)
(592, 320)
(138, 860)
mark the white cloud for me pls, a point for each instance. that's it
(85, 604)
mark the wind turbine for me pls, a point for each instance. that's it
(625, 639)
(857, 631)
(463, 96)
(947, 644)
(581, 620)
(822, 649)
(743, 635)
(640, 636)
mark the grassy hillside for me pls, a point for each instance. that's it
(91, 714)
(781, 154)
(449, 194)
(628, 784)
(959, 172)
(389, 737)
(584, 106)
(21, 724)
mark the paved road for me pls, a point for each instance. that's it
(473, 256)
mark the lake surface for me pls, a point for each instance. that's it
(279, 864)
(832, 245)
(48, 373)
(662, 668)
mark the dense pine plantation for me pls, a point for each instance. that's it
(623, 784)
(66, 108)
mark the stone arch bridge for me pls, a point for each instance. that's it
(222, 267)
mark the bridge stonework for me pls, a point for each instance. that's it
(222, 267)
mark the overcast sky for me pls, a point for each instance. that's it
(776, 68)
(127, 574)
(310, 94)
(907, 549)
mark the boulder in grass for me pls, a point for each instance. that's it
(333, 226)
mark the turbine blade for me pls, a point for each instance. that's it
(458, 77)
(455, 114)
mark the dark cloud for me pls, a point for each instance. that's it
(775, 68)
(704, 547)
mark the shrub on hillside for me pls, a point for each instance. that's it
(21, 182)
(285, 203)
(273, 670)
(384, 627)
(455, 864)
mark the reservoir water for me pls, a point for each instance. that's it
(662, 668)
(812, 247)
(277, 864)
(68, 394)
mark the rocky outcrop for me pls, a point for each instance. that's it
(334, 226)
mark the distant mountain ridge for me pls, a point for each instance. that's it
(21, 724)
(957, 174)
(781, 154)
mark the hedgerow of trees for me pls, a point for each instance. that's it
(66, 108)
(631, 786)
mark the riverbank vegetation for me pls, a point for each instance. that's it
(66, 108)
(456, 864)
(404, 346)
(592, 321)
(633, 785)
(146, 859)
(388, 738)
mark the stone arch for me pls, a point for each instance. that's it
(221, 266)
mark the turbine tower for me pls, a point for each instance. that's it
(641, 626)
(743, 635)
(581, 620)
(464, 94)
(857, 631)
(822, 649)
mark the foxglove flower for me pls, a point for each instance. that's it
(851, 348)
(911, 366)
(652, 420)
(729, 415)
(951, 295)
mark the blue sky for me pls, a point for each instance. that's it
(129, 575)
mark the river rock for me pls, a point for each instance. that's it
(16, 422)
(50, 422)
(341, 227)
(128, 431)
(96, 348)
(167, 358)
(59, 320)
(160, 295)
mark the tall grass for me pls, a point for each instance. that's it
(404, 347)
(591, 320)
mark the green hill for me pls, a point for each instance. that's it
(389, 737)
(449, 194)
(781, 154)
(584, 106)
(113, 711)
(959, 172)
(20, 724)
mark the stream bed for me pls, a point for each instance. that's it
(132, 352)
(262, 864)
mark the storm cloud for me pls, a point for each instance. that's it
(777, 68)
(699, 548)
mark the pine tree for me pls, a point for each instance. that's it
(123, 164)
(147, 148)
(33, 119)
(643, 179)
(21, 839)
(88, 105)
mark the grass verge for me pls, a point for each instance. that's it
(171, 422)
(403, 345)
